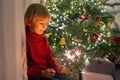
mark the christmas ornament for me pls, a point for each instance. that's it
(98, 3)
(109, 23)
(95, 36)
(97, 20)
(46, 3)
(83, 16)
(76, 40)
(48, 35)
(88, 39)
(62, 41)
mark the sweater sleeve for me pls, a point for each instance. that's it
(50, 62)
(30, 70)
(34, 72)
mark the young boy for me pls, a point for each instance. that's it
(40, 63)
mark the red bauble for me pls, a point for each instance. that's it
(83, 16)
(95, 36)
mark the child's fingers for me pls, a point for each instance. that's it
(61, 69)
(51, 72)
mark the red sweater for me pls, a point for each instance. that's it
(39, 56)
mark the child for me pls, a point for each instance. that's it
(40, 63)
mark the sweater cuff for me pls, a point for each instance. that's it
(34, 72)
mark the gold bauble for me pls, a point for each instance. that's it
(62, 41)
(109, 23)
(46, 3)
(76, 40)
(48, 35)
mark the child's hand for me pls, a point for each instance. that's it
(48, 73)
(61, 69)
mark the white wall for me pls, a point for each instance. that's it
(11, 37)
(28, 2)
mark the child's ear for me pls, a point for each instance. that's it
(28, 22)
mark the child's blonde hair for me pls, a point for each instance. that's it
(36, 9)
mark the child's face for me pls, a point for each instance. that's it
(39, 25)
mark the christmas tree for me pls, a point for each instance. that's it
(80, 29)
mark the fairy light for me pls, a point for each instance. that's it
(63, 47)
(54, 45)
(69, 63)
(93, 47)
(61, 17)
(66, 33)
(110, 44)
(49, 10)
(53, 22)
(86, 34)
(64, 63)
(95, 44)
(53, 9)
(64, 19)
(62, 27)
(55, 39)
(62, 59)
(54, 16)
(70, 12)
(79, 44)
(72, 7)
(104, 41)
(108, 34)
(55, 34)
(64, 13)
(99, 38)
(88, 48)
(75, 43)
(56, 30)
(44, 0)
(57, 20)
